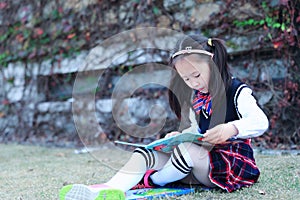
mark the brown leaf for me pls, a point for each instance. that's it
(60, 155)
(2, 114)
(70, 36)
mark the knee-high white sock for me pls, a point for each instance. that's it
(179, 166)
(133, 171)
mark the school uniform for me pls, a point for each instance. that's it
(232, 165)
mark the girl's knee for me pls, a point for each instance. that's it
(186, 145)
(193, 150)
(146, 154)
(191, 147)
(153, 159)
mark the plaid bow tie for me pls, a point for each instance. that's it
(202, 101)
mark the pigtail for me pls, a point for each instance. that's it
(220, 80)
(220, 59)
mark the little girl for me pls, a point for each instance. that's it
(206, 99)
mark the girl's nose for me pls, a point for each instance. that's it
(194, 83)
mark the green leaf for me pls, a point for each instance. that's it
(11, 80)
(3, 56)
(26, 33)
(256, 23)
(238, 23)
(261, 22)
(270, 36)
(45, 40)
(264, 5)
(250, 22)
(156, 10)
(276, 25)
(269, 21)
(11, 30)
(4, 37)
(283, 27)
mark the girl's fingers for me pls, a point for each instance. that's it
(211, 136)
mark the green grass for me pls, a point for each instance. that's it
(31, 172)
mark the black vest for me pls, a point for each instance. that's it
(231, 111)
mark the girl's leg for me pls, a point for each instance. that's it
(133, 171)
(201, 166)
(186, 158)
(130, 174)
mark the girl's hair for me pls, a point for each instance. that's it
(220, 76)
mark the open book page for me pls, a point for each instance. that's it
(168, 144)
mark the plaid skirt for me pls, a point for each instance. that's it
(232, 166)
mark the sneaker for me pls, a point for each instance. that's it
(146, 182)
(94, 192)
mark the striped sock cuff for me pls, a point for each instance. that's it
(149, 156)
(178, 160)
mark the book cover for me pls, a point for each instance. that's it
(157, 193)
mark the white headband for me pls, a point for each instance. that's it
(190, 50)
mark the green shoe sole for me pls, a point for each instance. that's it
(83, 192)
(111, 194)
(64, 191)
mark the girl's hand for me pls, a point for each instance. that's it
(220, 133)
(171, 134)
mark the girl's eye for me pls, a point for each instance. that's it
(197, 76)
(186, 79)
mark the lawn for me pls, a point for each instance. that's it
(32, 172)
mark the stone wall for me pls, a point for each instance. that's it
(52, 123)
(28, 115)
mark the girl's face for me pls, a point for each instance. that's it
(194, 71)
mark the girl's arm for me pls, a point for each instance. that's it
(193, 127)
(254, 122)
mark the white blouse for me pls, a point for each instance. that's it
(253, 121)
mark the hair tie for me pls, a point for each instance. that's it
(209, 42)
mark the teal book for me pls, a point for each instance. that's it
(157, 193)
(168, 144)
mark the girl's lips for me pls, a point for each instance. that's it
(203, 90)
